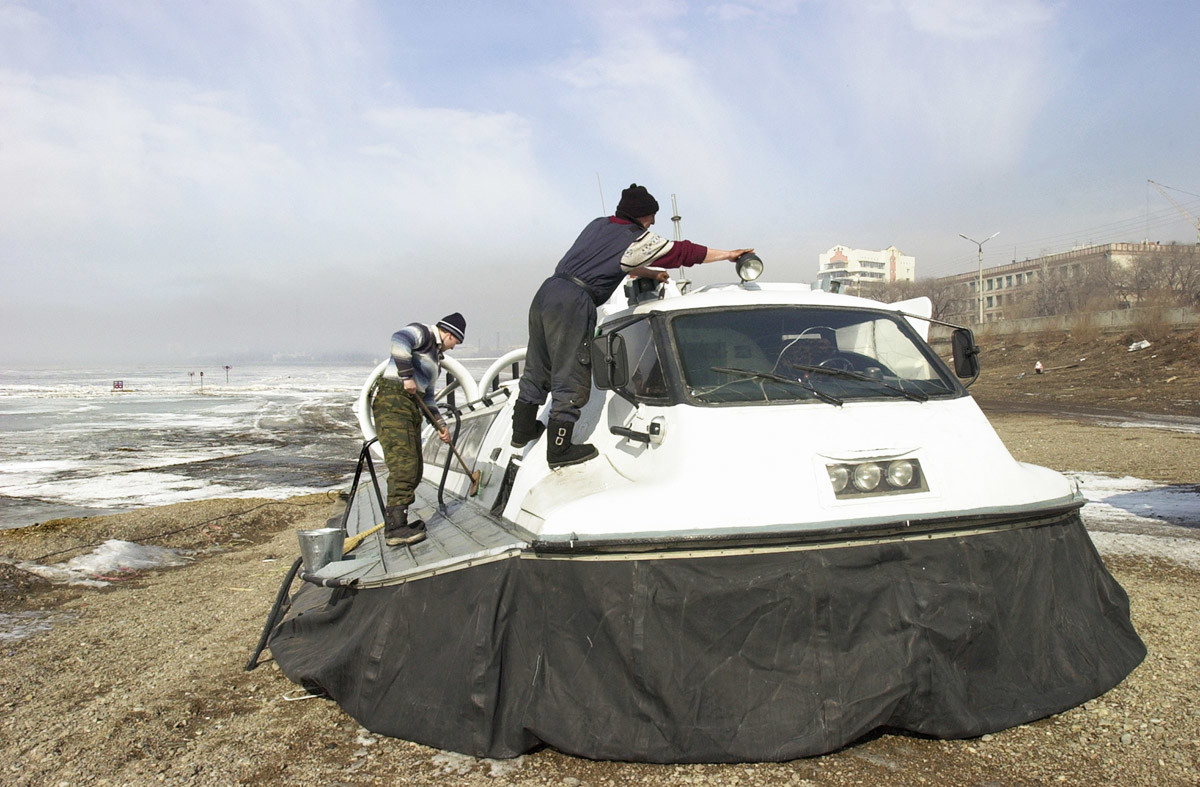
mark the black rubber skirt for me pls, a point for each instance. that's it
(761, 656)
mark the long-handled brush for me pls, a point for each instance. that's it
(474, 476)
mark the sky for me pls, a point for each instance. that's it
(244, 179)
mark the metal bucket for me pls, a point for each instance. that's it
(320, 547)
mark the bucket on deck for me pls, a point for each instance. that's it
(320, 547)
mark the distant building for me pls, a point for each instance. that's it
(862, 270)
(1012, 290)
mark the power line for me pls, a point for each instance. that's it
(1128, 230)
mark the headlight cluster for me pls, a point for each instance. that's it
(876, 478)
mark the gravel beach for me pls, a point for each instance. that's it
(143, 681)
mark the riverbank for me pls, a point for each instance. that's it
(143, 680)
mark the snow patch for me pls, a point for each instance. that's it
(1130, 501)
(455, 764)
(1184, 551)
(16, 626)
(111, 561)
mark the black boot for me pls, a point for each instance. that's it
(398, 530)
(560, 451)
(526, 426)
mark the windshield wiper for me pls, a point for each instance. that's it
(779, 378)
(916, 396)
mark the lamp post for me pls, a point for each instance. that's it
(979, 285)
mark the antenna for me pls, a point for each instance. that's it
(684, 283)
(603, 210)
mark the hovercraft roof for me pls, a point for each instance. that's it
(714, 296)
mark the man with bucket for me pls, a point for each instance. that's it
(417, 351)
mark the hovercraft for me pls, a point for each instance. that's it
(800, 528)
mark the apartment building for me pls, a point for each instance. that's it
(860, 270)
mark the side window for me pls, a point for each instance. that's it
(435, 450)
(646, 380)
(470, 438)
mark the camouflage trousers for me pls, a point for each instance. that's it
(398, 426)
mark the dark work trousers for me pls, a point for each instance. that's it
(562, 322)
(398, 426)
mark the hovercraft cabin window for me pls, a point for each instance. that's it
(646, 379)
(470, 439)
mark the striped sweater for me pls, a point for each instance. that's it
(417, 355)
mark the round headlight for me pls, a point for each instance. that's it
(749, 267)
(866, 476)
(900, 473)
(839, 476)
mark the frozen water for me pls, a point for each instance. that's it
(71, 446)
(1136, 505)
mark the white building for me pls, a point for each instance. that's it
(861, 268)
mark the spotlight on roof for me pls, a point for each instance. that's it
(749, 266)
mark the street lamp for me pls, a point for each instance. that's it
(979, 245)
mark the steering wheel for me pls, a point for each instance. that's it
(837, 362)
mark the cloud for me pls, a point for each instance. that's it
(754, 9)
(961, 92)
(106, 152)
(975, 20)
(643, 102)
(166, 176)
(257, 166)
(444, 164)
(616, 14)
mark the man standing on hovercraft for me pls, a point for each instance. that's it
(416, 357)
(562, 317)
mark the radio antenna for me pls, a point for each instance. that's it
(603, 210)
(675, 219)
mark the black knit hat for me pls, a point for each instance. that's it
(637, 202)
(455, 325)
